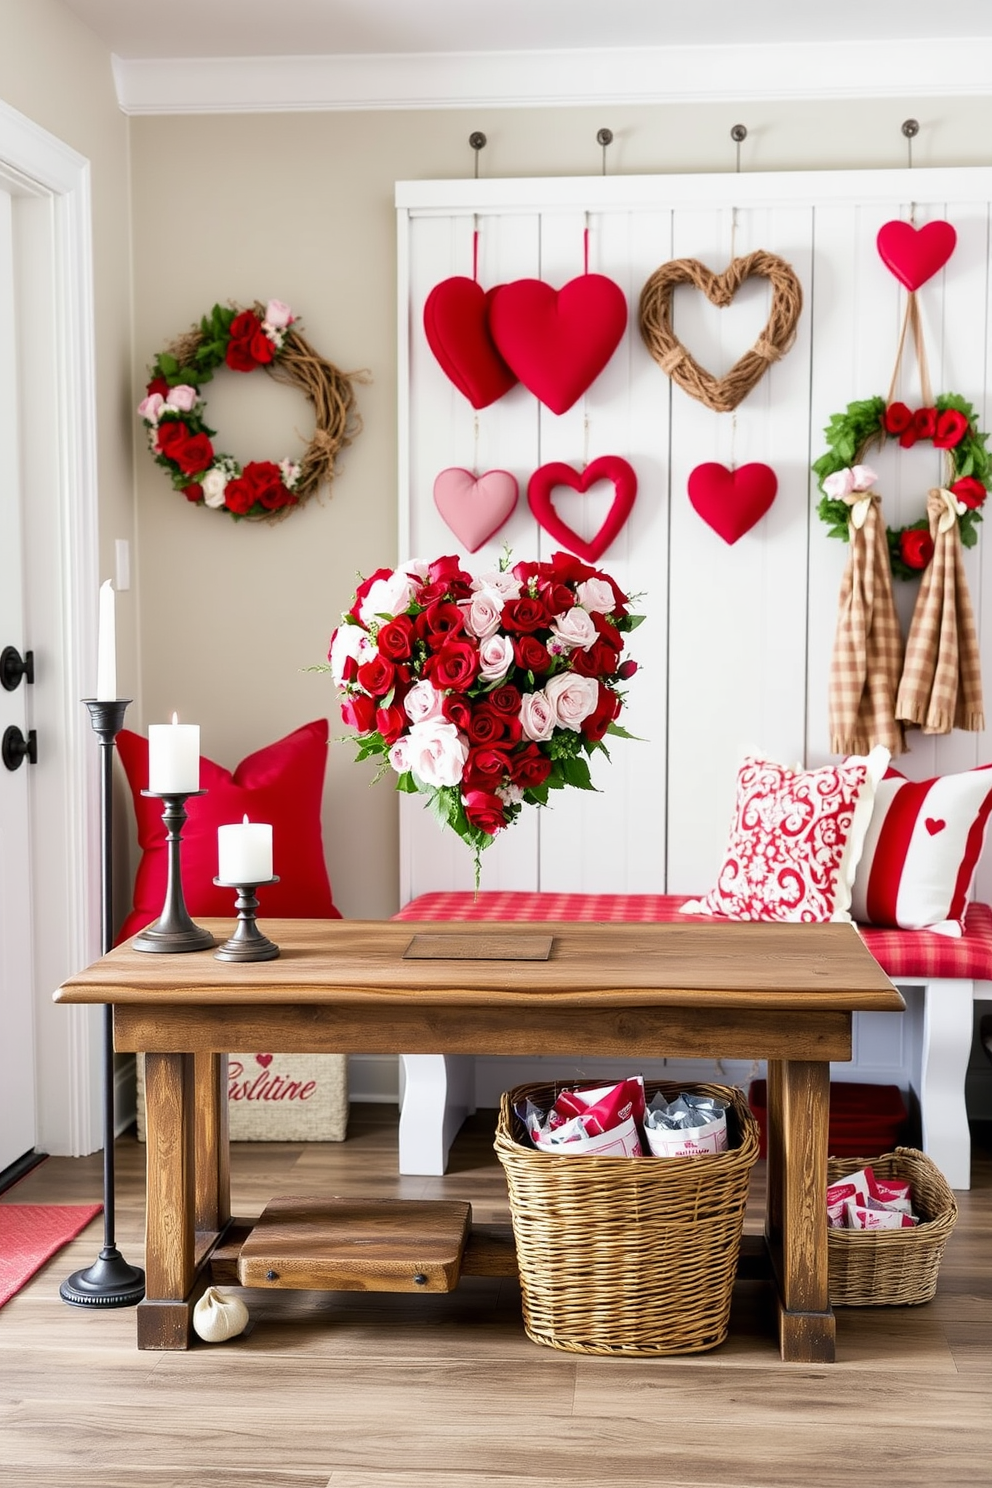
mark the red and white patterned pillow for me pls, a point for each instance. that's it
(921, 850)
(795, 841)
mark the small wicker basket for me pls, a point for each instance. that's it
(627, 1255)
(892, 1268)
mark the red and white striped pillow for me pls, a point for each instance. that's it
(921, 850)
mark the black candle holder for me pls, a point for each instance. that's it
(247, 943)
(110, 1281)
(174, 931)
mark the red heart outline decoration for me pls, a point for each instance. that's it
(732, 501)
(475, 508)
(608, 467)
(557, 341)
(915, 254)
(934, 824)
(457, 329)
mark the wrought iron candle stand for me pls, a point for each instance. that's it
(110, 1281)
(247, 943)
(174, 931)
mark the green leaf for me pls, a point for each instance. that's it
(576, 773)
(406, 783)
(168, 363)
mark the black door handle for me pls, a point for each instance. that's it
(13, 667)
(15, 748)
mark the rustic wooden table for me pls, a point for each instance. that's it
(784, 993)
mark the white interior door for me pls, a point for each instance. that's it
(18, 1119)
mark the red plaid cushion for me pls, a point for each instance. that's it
(900, 953)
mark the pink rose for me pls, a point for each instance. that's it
(437, 752)
(149, 408)
(182, 397)
(572, 697)
(495, 658)
(423, 702)
(482, 614)
(576, 628)
(596, 594)
(278, 315)
(537, 716)
(399, 754)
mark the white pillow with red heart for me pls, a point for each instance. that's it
(795, 840)
(921, 850)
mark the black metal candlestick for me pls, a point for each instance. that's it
(247, 943)
(174, 930)
(110, 1281)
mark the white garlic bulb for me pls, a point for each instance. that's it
(217, 1317)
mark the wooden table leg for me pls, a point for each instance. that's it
(164, 1317)
(213, 1151)
(796, 1225)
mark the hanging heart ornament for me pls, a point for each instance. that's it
(915, 254)
(607, 467)
(457, 329)
(557, 341)
(721, 394)
(732, 501)
(475, 507)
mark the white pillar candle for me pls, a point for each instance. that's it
(106, 646)
(173, 757)
(244, 853)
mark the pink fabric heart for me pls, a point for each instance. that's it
(474, 508)
(934, 824)
(732, 501)
(607, 467)
(914, 254)
(558, 341)
(457, 332)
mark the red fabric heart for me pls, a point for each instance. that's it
(475, 508)
(557, 341)
(607, 467)
(264, 1060)
(732, 501)
(457, 330)
(934, 824)
(914, 254)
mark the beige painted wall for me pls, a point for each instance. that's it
(300, 206)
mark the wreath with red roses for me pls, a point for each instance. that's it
(950, 424)
(174, 408)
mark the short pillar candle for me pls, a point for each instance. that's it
(244, 853)
(173, 758)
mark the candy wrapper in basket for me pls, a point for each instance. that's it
(862, 1201)
(604, 1121)
(687, 1126)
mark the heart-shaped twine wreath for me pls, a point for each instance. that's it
(722, 394)
(608, 467)
(475, 507)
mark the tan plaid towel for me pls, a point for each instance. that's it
(867, 657)
(941, 685)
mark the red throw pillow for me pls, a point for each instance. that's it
(281, 784)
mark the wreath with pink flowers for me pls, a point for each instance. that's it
(174, 411)
(950, 424)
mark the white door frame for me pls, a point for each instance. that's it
(60, 586)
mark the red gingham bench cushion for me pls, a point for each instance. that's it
(900, 953)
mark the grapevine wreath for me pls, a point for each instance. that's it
(174, 407)
(949, 424)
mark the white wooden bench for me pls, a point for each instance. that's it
(951, 974)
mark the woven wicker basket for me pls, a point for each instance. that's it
(892, 1268)
(627, 1255)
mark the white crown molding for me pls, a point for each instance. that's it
(898, 68)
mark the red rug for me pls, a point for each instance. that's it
(30, 1234)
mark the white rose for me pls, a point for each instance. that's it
(597, 596)
(182, 397)
(576, 628)
(387, 597)
(423, 702)
(503, 584)
(572, 697)
(214, 484)
(537, 717)
(495, 658)
(349, 642)
(437, 752)
(482, 614)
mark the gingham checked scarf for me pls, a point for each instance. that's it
(941, 685)
(867, 656)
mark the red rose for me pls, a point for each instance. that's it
(376, 676)
(391, 722)
(239, 496)
(524, 614)
(363, 589)
(484, 811)
(171, 434)
(609, 705)
(395, 638)
(486, 766)
(896, 418)
(970, 491)
(240, 355)
(916, 547)
(193, 493)
(158, 385)
(505, 699)
(485, 725)
(529, 767)
(264, 479)
(565, 568)
(194, 454)
(358, 713)
(454, 666)
(626, 670)
(951, 429)
(457, 710)
(531, 654)
(557, 597)
(599, 661)
(448, 570)
(923, 426)
(439, 620)
(261, 348)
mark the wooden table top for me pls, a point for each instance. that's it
(352, 962)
